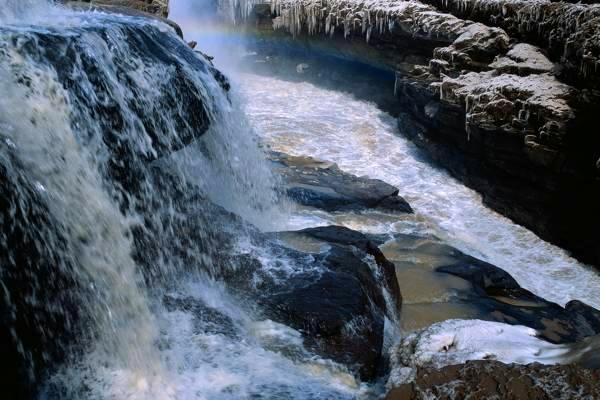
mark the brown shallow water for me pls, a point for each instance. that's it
(428, 296)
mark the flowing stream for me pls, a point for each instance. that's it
(299, 117)
(122, 154)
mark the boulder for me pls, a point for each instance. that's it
(348, 237)
(492, 379)
(135, 123)
(335, 315)
(323, 185)
(330, 284)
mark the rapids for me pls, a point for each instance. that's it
(363, 140)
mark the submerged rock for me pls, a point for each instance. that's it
(206, 319)
(504, 300)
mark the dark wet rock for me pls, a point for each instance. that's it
(325, 282)
(478, 289)
(207, 320)
(182, 227)
(173, 116)
(584, 317)
(47, 295)
(334, 295)
(323, 185)
(38, 302)
(348, 237)
(492, 379)
(503, 300)
(481, 274)
(335, 314)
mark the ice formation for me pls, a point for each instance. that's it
(569, 31)
(365, 17)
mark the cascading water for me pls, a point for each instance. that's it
(121, 151)
(90, 100)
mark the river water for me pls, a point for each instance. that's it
(299, 117)
(233, 353)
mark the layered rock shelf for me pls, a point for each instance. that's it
(505, 99)
(155, 7)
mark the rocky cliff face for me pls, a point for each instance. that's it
(504, 99)
(156, 7)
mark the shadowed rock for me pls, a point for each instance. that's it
(499, 294)
(323, 185)
(330, 284)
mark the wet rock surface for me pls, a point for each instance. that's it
(492, 379)
(340, 302)
(500, 298)
(323, 185)
(69, 53)
(33, 334)
(479, 290)
(208, 319)
(49, 293)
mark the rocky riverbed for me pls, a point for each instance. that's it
(198, 277)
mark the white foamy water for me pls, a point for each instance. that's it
(456, 341)
(303, 119)
(217, 350)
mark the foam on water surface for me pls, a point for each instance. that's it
(457, 341)
(302, 119)
(205, 359)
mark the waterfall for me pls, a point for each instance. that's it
(106, 182)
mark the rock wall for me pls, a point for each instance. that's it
(568, 32)
(156, 7)
(513, 120)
